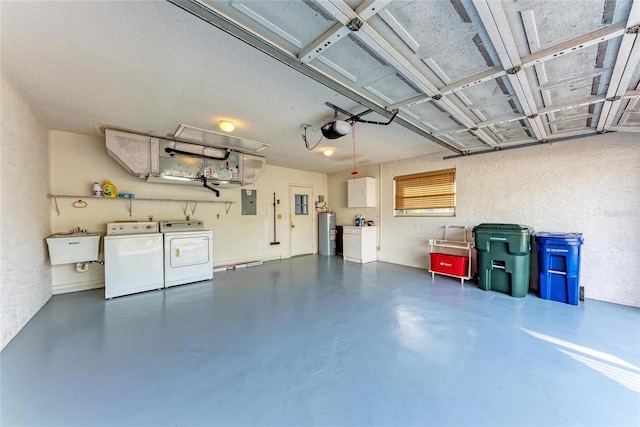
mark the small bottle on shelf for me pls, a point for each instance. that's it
(97, 190)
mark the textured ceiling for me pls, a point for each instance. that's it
(466, 76)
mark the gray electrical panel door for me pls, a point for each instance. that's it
(248, 202)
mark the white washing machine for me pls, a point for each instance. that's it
(188, 252)
(133, 255)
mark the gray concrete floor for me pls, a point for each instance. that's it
(315, 341)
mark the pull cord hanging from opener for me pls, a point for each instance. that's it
(353, 137)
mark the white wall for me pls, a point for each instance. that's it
(78, 160)
(589, 186)
(25, 276)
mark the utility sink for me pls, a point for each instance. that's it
(66, 248)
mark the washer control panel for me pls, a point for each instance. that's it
(141, 227)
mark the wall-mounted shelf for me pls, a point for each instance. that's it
(55, 198)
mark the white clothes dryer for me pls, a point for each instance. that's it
(188, 252)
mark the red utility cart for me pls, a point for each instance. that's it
(452, 256)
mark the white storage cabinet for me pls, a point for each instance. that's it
(361, 193)
(359, 244)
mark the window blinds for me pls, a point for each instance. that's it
(429, 190)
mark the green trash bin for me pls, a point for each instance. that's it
(503, 253)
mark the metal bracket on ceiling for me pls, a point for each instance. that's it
(355, 24)
(474, 128)
(532, 116)
(543, 141)
(437, 97)
(356, 117)
(613, 98)
(513, 70)
(528, 144)
(633, 30)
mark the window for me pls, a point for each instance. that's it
(426, 194)
(302, 204)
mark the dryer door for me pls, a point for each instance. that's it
(188, 251)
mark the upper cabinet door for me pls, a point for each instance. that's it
(361, 192)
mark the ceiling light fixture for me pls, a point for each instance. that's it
(227, 126)
(328, 152)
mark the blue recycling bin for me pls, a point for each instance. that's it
(559, 266)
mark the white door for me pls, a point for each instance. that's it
(189, 251)
(351, 244)
(301, 219)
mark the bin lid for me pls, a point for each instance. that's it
(547, 238)
(503, 227)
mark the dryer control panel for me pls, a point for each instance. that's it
(174, 226)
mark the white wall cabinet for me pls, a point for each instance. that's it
(361, 192)
(359, 244)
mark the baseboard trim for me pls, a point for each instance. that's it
(244, 263)
(76, 287)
